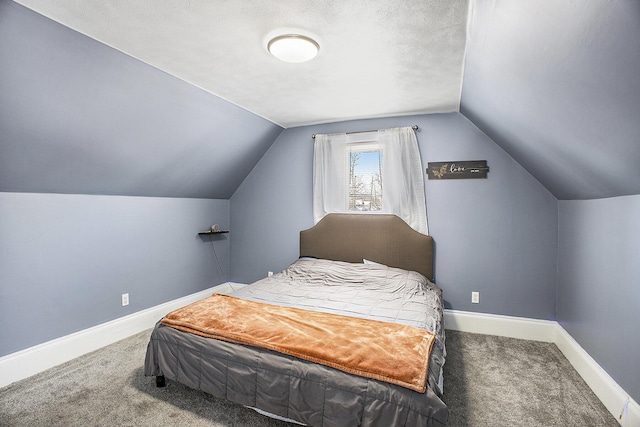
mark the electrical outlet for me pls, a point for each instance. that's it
(475, 297)
(125, 299)
(269, 273)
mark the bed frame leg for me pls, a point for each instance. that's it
(160, 382)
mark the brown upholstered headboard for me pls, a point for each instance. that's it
(381, 238)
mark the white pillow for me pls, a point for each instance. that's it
(366, 261)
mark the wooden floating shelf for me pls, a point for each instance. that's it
(204, 233)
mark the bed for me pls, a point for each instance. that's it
(352, 267)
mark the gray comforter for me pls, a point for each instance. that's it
(304, 391)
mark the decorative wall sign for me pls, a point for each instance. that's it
(457, 170)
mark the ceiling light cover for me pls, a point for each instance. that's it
(293, 48)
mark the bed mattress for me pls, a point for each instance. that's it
(304, 391)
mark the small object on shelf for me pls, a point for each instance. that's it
(214, 229)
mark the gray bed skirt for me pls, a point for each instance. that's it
(302, 391)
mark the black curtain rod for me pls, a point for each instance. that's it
(414, 127)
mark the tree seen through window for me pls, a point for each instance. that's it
(365, 179)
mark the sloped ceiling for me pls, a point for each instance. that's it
(376, 59)
(79, 117)
(556, 84)
(181, 99)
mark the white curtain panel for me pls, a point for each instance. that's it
(403, 182)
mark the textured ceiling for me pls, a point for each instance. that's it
(377, 59)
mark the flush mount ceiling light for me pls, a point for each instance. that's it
(293, 48)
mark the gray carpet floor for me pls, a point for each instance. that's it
(489, 381)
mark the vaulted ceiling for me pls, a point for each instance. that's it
(376, 59)
(181, 98)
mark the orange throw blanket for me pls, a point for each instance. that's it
(398, 354)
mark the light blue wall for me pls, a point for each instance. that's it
(65, 260)
(79, 117)
(599, 283)
(555, 83)
(497, 236)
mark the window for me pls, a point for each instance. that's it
(372, 172)
(364, 177)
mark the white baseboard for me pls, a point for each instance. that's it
(633, 415)
(608, 391)
(614, 398)
(504, 326)
(33, 360)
